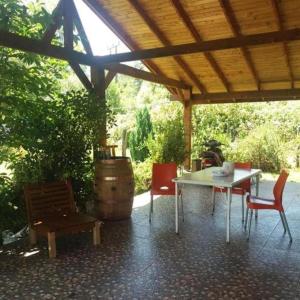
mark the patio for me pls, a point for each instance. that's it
(137, 260)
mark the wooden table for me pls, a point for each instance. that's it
(206, 178)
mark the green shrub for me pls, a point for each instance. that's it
(142, 176)
(137, 139)
(263, 147)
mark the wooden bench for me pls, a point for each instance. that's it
(51, 211)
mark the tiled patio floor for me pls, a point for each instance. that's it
(141, 261)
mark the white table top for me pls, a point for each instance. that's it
(205, 177)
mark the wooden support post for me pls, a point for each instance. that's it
(51, 244)
(98, 81)
(96, 233)
(187, 126)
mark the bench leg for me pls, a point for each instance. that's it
(51, 244)
(96, 233)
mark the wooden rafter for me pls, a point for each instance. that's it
(94, 5)
(136, 73)
(191, 27)
(279, 20)
(55, 24)
(165, 41)
(236, 30)
(247, 96)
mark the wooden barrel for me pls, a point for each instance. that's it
(114, 188)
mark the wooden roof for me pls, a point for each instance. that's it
(144, 24)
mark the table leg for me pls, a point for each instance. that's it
(176, 207)
(229, 195)
(257, 192)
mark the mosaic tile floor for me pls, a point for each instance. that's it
(137, 260)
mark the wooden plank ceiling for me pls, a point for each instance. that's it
(144, 24)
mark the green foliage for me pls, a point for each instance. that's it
(167, 142)
(263, 147)
(142, 175)
(137, 138)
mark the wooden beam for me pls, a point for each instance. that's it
(109, 77)
(236, 30)
(247, 96)
(15, 41)
(166, 42)
(187, 127)
(133, 72)
(55, 24)
(81, 75)
(82, 34)
(68, 24)
(214, 45)
(98, 80)
(99, 10)
(194, 32)
(279, 20)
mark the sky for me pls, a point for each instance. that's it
(103, 41)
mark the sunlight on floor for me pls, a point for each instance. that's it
(142, 200)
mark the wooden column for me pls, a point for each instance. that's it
(187, 125)
(98, 81)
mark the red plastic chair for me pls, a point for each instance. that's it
(242, 189)
(276, 203)
(161, 184)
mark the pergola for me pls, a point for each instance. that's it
(203, 51)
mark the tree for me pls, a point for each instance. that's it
(138, 149)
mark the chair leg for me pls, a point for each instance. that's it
(182, 211)
(151, 208)
(246, 219)
(51, 244)
(32, 236)
(287, 226)
(250, 221)
(243, 209)
(256, 214)
(283, 223)
(213, 196)
(96, 233)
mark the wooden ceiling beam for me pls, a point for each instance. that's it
(279, 20)
(55, 24)
(68, 24)
(246, 96)
(236, 30)
(166, 42)
(213, 45)
(14, 41)
(194, 32)
(140, 74)
(95, 6)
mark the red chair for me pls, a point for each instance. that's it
(242, 189)
(276, 203)
(161, 184)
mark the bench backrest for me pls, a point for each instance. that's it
(45, 199)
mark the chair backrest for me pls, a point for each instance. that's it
(246, 185)
(45, 199)
(162, 175)
(279, 187)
